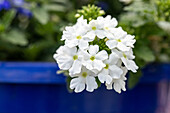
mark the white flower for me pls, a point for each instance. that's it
(111, 70)
(118, 84)
(75, 35)
(127, 59)
(95, 29)
(93, 58)
(108, 22)
(108, 60)
(87, 78)
(120, 40)
(69, 59)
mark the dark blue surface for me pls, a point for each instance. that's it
(35, 88)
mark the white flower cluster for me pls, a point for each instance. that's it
(96, 50)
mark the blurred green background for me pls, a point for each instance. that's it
(30, 30)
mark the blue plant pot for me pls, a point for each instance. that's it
(36, 88)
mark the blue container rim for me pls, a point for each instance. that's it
(45, 73)
(30, 73)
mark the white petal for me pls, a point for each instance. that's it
(122, 47)
(129, 54)
(83, 44)
(70, 51)
(113, 58)
(91, 83)
(95, 71)
(109, 86)
(71, 43)
(93, 49)
(102, 55)
(111, 44)
(91, 35)
(100, 34)
(98, 64)
(119, 33)
(103, 76)
(129, 40)
(115, 71)
(76, 67)
(114, 22)
(119, 85)
(117, 52)
(78, 84)
(88, 64)
(64, 62)
(85, 54)
(130, 64)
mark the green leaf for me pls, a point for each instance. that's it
(134, 79)
(7, 19)
(55, 7)
(98, 82)
(41, 15)
(144, 52)
(15, 37)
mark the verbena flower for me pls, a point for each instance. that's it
(118, 84)
(127, 59)
(85, 78)
(75, 35)
(69, 59)
(111, 70)
(96, 50)
(119, 39)
(93, 58)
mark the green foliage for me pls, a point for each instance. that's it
(6, 20)
(15, 37)
(41, 15)
(148, 20)
(163, 10)
(143, 52)
(33, 38)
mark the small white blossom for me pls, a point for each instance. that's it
(95, 29)
(108, 23)
(87, 78)
(118, 84)
(127, 59)
(93, 58)
(69, 59)
(120, 40)
(75, 35)
(111, 70)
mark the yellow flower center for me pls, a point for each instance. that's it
(107, 66)
(92, 58)
(79, 37)
(124, 55)
(118, 40)
(93, 28)
(75, 57)
(106, 28)
(84, 74)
